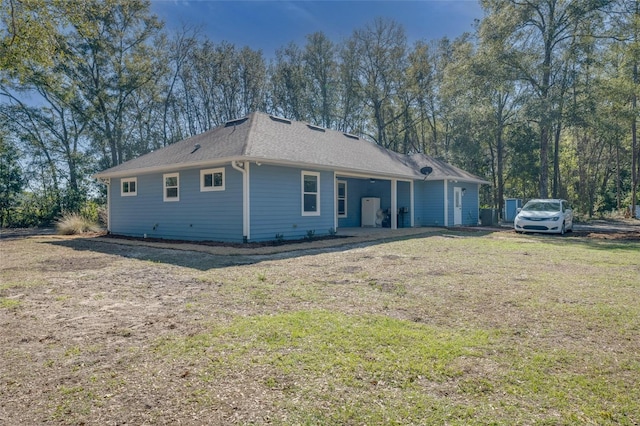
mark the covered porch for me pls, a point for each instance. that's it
(373, 202)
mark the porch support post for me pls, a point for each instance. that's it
(411, 204)
(394, 204)
(335, 201)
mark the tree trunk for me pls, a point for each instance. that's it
(634, 163)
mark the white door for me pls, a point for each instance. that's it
(457, 206)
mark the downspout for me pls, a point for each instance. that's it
(446, 204)
(243, 167)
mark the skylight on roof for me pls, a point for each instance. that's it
(280, 119)
(317, 128)
(350, 136)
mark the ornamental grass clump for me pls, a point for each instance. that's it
(74, 223)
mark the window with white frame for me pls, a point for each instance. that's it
(171, 184)
(129, 187)
(310, 194)
(341, 195)
(212, 180)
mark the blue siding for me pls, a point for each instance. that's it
(404, 200)
(361, 188)
(470, 203)
(276, 203)
(355, 188)
(215, 215)
(429, 203)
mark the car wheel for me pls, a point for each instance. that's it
(562, 230)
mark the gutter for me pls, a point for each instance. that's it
(245, 159)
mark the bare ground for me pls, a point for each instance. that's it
(81, 317)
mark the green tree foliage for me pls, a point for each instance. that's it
(29, 34)
(321, 72)
(381, 49)
(534, 37)
(540, 100)
(113, 61)
(11, 180)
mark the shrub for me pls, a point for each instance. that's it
(74, 223)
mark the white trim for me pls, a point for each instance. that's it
(316, 212)
(363, 173)
(247, 187)
(165, 187)
(457, 206)
(212, 172)
(129, 193)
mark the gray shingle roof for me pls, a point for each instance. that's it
(268, 139)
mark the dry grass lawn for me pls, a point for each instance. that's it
(449, 328)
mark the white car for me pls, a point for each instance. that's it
(545, 215)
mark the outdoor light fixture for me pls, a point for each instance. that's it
(464, 191)
(372, 180)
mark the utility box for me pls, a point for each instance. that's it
(370, 207)
(489, 217)
(511, 206)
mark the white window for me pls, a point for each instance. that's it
(310, 194)
(212, 180)
(342, 198)
(129, 187)
(171, 183)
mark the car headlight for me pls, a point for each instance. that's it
(555, 218)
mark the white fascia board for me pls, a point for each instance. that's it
(358, 173)
(166, 169)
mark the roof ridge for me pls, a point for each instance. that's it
(253, 124)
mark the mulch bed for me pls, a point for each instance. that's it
(273, 243)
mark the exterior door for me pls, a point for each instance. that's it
(457, 206)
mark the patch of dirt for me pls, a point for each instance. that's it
(625, 236)
(82, 321)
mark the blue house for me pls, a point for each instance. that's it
(262, 177)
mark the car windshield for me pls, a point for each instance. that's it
(542, 206)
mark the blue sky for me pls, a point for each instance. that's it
(269, 25)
